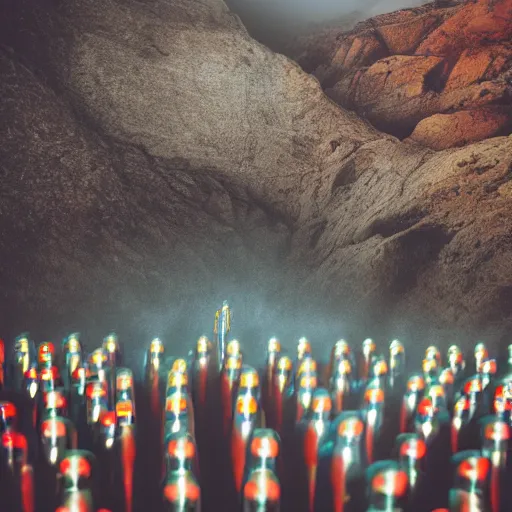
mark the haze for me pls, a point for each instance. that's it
(275, 23)
(323, 10)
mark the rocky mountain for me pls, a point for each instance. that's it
(156, 158)
(440, 74)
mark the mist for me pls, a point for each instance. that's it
(276, 23)
(325, 10)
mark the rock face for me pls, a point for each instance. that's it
(152, 163)
(448, 130)
(157, 159)
(417, 72)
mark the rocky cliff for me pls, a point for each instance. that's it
(156, 158)
(440, 74)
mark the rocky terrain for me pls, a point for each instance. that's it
(155, 158)
(440, 74)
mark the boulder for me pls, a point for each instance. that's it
(441, 59)
(364, 49)
(393, 93)
(478, 23)
(442, 131)
(351, 53)
(403, 36)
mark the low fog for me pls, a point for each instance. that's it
(275, 22)
(322, 10)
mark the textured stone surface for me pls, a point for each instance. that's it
(416, 232)
(99, 234)
(156, 159)
(478, 23)
(441, 60)
(154, 156)
(404, 36)
(391, 93)
(444, 131)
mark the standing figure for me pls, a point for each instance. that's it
(221, 328)
(495, 439)
(368, 353)
(348, 464)
(181, 491)
(387, 487)
(245, 420)
(269, 376)
(469, 491)
(374, 416)
(411, 399)
(77, 474)
(262, 488)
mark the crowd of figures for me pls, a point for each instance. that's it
(212, 433)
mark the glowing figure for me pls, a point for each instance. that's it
(17, 476)
(221, 328)
(341, 384)
(306, 386)
(229, 381)
(316, 428)
(495, 439)
(269, 376)
(396, 363)
(411, 449)
(374, 411)
(76, 470)
(96, 400)
(244, 422)
(177, 414)
(340, 351)
(153, 363)
(181, 491)
(57, 436)
(432, 352)
(112, 348)
(425, 421)
(430, 367)
(488, 369)
(125, 397)
(262, 489)
(72, 349)
(470, 485)
(8, 417)
(388, 485)
(346, 463)
(45, 355)
(456, 360)
(31, 379)
(282, 390)
(201, 372)
(55, 404)
(96, 365)
(368, 353)
(23, 357)
(481, 354)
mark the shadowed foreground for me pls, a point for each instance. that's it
(306, 432)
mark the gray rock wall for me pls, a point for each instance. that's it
(156, 158)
